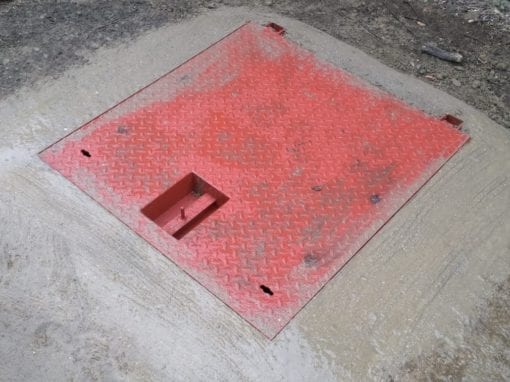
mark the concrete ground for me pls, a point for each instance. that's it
(83, 298)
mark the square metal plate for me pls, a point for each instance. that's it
(257, 168)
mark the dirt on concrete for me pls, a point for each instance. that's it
(483, 354)
(42, 38)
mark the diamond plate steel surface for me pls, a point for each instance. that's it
(257, 168)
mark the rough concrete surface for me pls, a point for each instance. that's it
(83, 298)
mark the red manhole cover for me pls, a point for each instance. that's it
(256, 168)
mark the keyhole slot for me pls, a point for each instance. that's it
(85, 153)
(266, 290)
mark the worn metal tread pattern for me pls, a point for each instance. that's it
(301, 162)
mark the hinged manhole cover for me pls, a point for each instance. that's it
(257, 168)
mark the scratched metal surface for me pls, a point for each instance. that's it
(312, 160)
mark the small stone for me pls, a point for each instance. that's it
(456, 82)
(472, 16)
(476, 84)
(5, 61)
(440, 76)
(459, 68)
(483, 59)
(317, 188)
(501, 66)
(268, 2)
(422, 70)
(212, 5)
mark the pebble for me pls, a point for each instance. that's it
(476, 84)
(212, 5)
(472, 16)
(268, 2)
(501, 66)
(456, 82)
(440, 76)
(422, 70)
